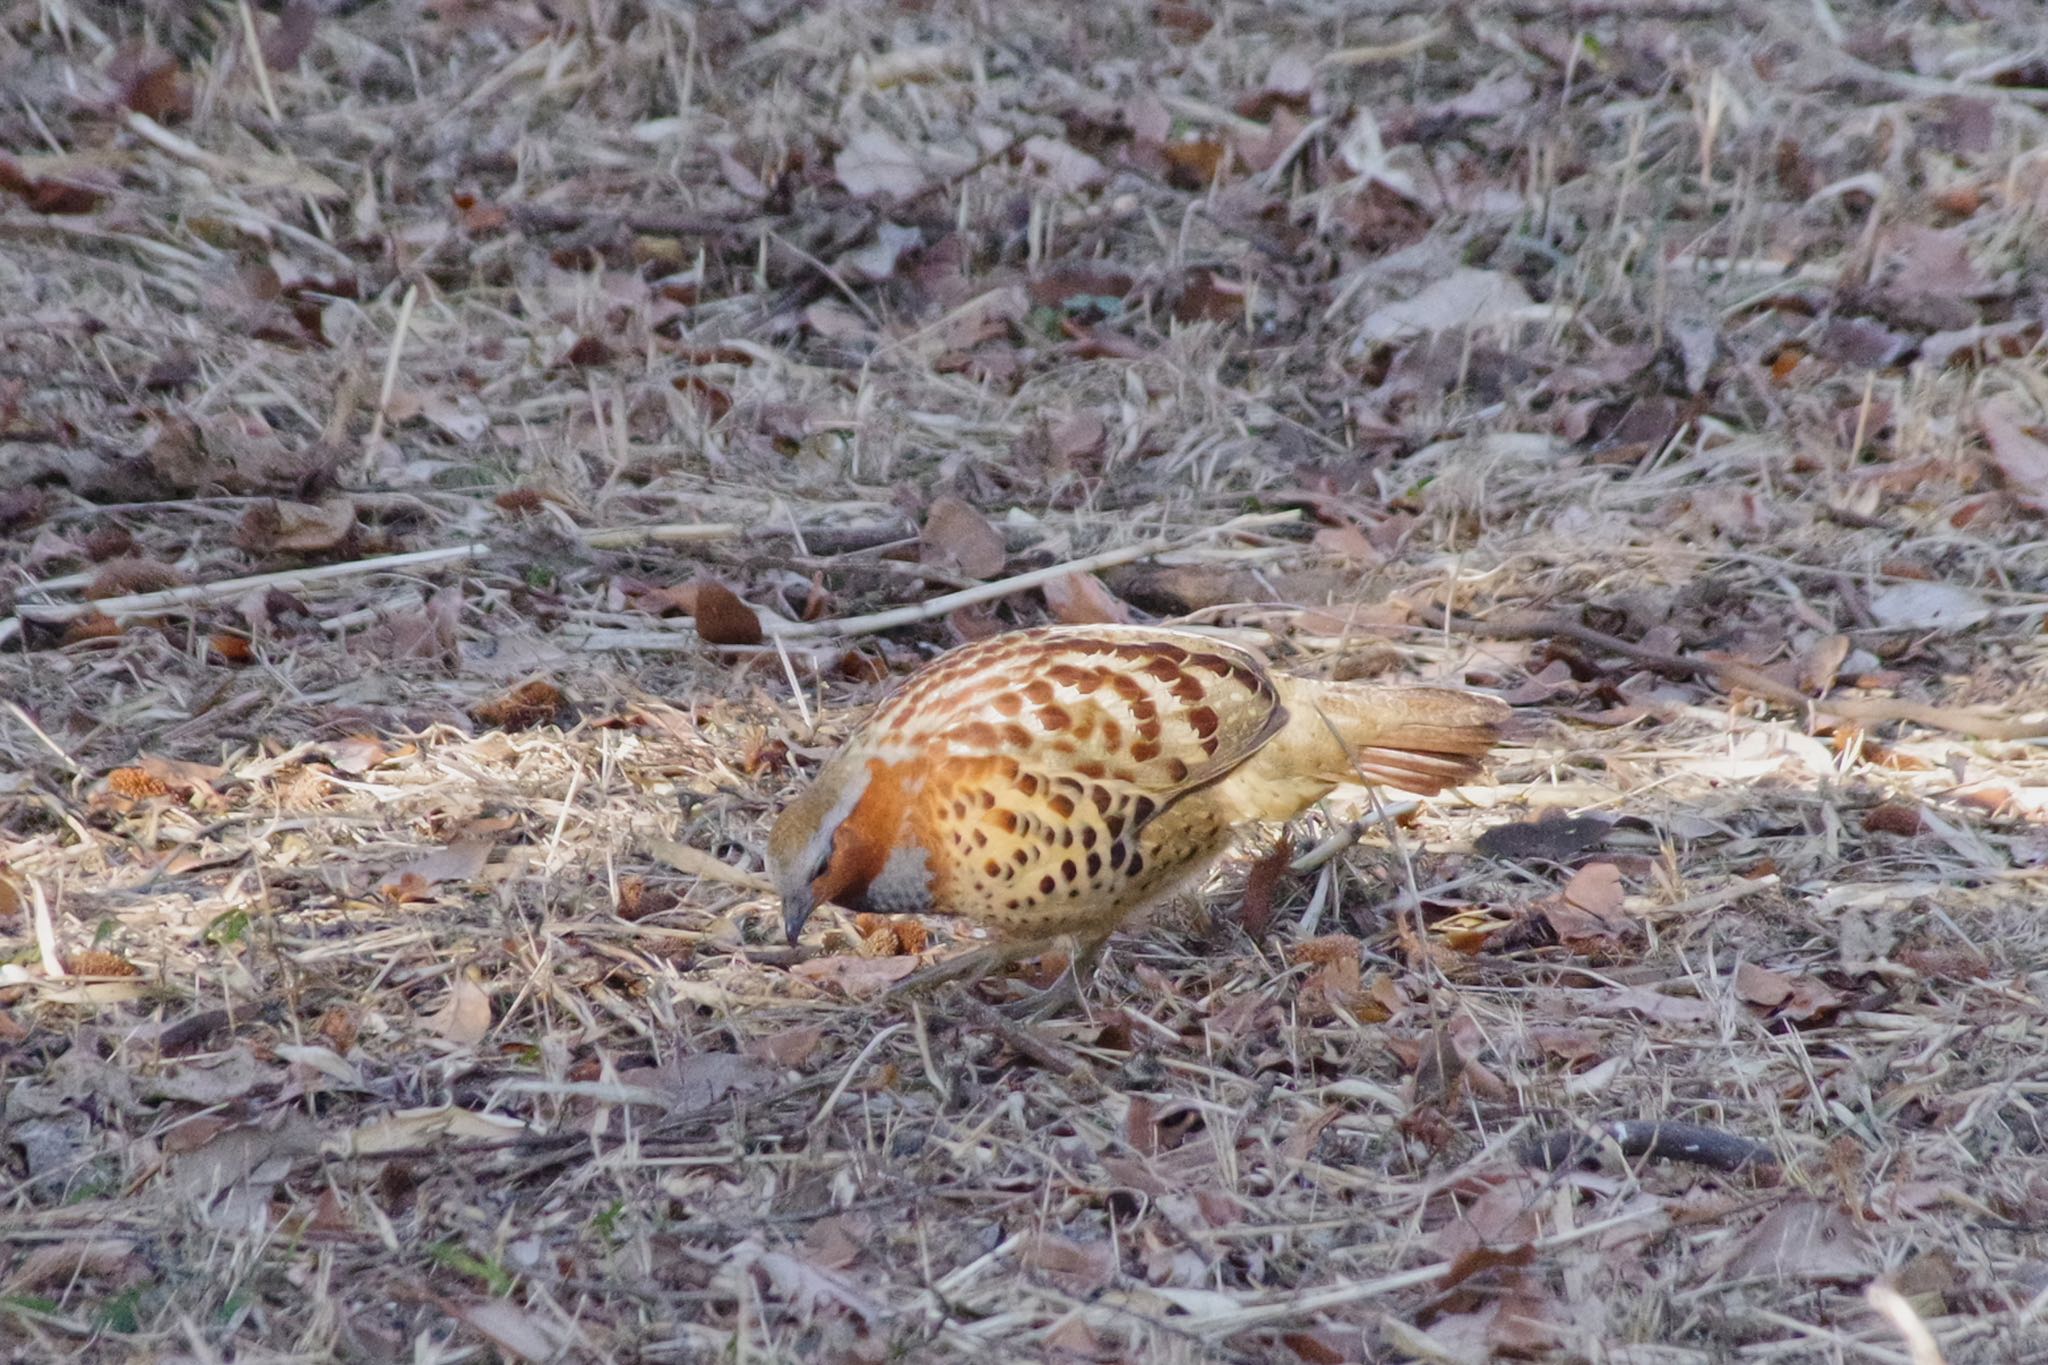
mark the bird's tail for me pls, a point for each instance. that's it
(1420, 739)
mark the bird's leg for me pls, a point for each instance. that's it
(971, 965)
(1084, 953)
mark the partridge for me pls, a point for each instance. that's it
(1049, 784)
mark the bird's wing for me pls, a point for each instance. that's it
(1150, 713)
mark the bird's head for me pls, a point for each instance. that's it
(844, 839)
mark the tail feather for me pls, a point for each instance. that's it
(1420, 739)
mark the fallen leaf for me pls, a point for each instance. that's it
(1893, 817)
(856, 976)
(723, 619)
(293, 33)
(518, 1331)
(1080, 600)
(960, 539)
(1464, 298)
(1596, 889)
(877, 260)
(1068, 168)
(460, 861)
(789, 1048)
(63, 1262)
(873, 162)
(1255, 915)
(2017, 448)
(1762, 987)
(466, 1017)
(1801, 1239)
(1927, 606)
(807, 1287)
(273, 526)
(1821, 662)
(696, 1081)
(427, 1127)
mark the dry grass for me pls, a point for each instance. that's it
(359, 1004)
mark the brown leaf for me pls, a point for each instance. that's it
(1893, 817)
(60, 1264)
(1802, 1239)
(47, 194)
(269, 527)
(789, 1048)
(21, 508)
(2017, 448)
(1255, 915)
(1820, 662)
(1596, 890)
(466, 1017)
(1080, 600)
(461, 861)
(856, 976)
(531, 703)
(152, 84)
(874, 163)
(1761, 986)
(121, 577)
(723, 619)
(960, 539)
(588, 352)
(291, 37)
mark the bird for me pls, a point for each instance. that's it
(1050, 784)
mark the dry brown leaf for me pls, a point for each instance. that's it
(723, 619)
(1081, 600)
(63, 1262)
(960, 539)
(789, 1048)
(2015, 435)
(273, 526)
(531, 703)
(1894, 817)
(426, 1127)
(1255, 913)
(1820, 662)
(873, 163)
(1802, 1239)
(1596, 889)
(696, 1081)
(856, 976)
(461, 861)
(466, 1017)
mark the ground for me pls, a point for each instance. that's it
(464, 464)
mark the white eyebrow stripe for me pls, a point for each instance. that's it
(820, 847)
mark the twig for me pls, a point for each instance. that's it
(1020, 1038)
(200, 594)
(852, 1069)
(1898, 1310)
(390, 382)
(1739, 889)
(1004, 587)
(1872, 711)
(1649, 1139)
(668, 533)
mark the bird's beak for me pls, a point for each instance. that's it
(796, 910)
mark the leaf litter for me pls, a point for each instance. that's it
(427, 568)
